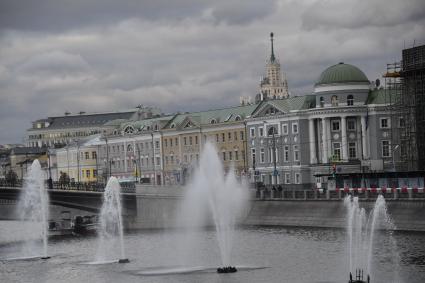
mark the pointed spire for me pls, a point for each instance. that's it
(272, 58)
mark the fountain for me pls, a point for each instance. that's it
(111, 225)
(361, 231)
(33, 211)
(213, 198)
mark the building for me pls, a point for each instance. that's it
(274, 84)
(345, 122)
(413, 103)
(62, 130)
(79, 160)
(184, 135)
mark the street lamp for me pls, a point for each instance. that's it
(272, 132)
(392, 155)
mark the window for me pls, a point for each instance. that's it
(296, 153)
(297, 178)
(235, 136)
(285, 129)
(165, 142)
(261, 131)
(386, 149)
(286, 153)
(334, 100)
(352, 150)
(262, 156)
(230, 155)
(171, 142)
(238, 118)
(336, 151)
(253, 155)
(351, 124)
(94, 173)
(156, 144)
(224, 156)
(129, 148)
(236, 155)
(287, 178)
(335, 125)
(185, 140)
(350, 100)
(166, 160)
(87, 155)
(295, 128)
(223, 137)
(229, 136)
(242, 135)
(213, 121)
(385, 123)
(158, 161)
(401, 122)
(172, 159)
(196, 139)
(190, 140)
(177, 141)
(322, 102)
(252, 132)
(88, 173)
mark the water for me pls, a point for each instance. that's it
(362, 232)
(293, 255)
(111, 232)
(213, 196)
(33, 211)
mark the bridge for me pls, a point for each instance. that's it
(82, 198)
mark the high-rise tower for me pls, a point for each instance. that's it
(273, 85)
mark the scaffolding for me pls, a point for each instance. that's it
(413, 73)
(398, 113)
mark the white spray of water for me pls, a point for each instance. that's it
(362, 232)
(33, 209)
(212, 195)
(111, 227)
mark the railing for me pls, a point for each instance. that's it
(74, 186)
(363, 194)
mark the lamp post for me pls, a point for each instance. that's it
(153, 160)
(272, 132)
(245, 140)
(392, 155)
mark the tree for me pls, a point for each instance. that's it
(11, 177)
(64, 178)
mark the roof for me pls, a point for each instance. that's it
(86, 120)
(342, 73)
(28, 150)
(286, 105)
(207, 117)
(382, 96)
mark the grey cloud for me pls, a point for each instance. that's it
(56, 15)
(362, 13)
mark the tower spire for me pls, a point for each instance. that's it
(272, 58)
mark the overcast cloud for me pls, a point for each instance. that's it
(186, 55)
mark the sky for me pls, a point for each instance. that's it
(186, 55)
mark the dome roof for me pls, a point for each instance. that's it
(342, 73)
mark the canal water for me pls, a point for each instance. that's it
(262, 254)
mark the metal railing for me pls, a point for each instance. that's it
(275, 194)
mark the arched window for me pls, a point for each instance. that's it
(213, 121)
(334, 100)
(128, 130)
(173, 126)
(350, 100)
(156, 127)
(322, 102)
(129, 148)
(238, 118)
(272, 131)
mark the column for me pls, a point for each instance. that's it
(324, 141)
(364, 140)
(312, 140)
(344, 138)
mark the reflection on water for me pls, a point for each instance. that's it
(292, 255)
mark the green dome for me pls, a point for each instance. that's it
(342, 73)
